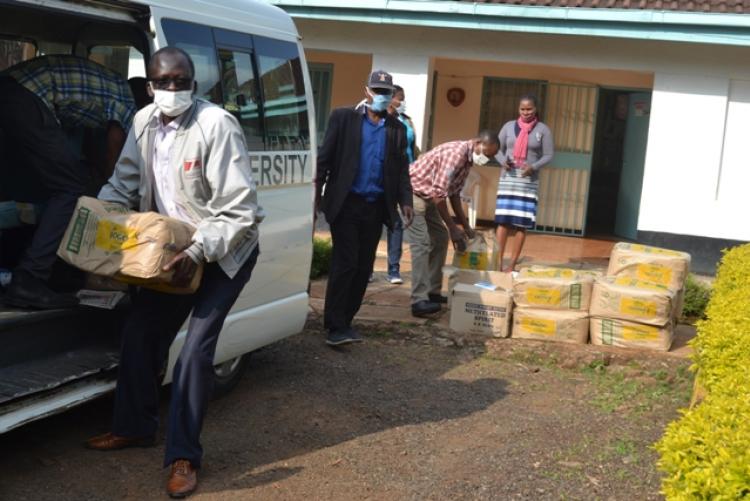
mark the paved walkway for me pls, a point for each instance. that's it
(391, 303)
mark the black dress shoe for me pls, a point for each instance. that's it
(424, 308)
(438, 298)
(27, 291)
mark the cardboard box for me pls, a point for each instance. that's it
(551, 325)
(455, 276)
(553, 293)
(108, 239)
(650, 264)
(630, 299)
(481, 311)
(626, 334)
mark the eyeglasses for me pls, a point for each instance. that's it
(381, 92)
(179, 83)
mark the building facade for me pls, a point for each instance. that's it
(649, 101)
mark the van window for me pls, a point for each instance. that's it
(285, 106)
(240, 94)
(125, 60)
(15, 51)
(198, 41)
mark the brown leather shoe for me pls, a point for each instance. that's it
(111, 442)
(183, 479)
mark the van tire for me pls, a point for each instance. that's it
(228, 374)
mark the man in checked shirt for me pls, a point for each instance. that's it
(42, 100)
(438, 176)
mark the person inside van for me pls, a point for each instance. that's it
(41, 101)
(189, 156)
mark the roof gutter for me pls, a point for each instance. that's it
(672, 26)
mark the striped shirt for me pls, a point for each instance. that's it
(442, 171)
(79, 92)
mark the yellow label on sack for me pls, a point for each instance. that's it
(654, 250)
(113, 237)
(543, 296)
(640, 333)
(473, 260)
(638, 307)
(539, 326)
(550, 273)
(655, 273)
(640, 284)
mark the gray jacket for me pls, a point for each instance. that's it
(214, 183)
(541, 146)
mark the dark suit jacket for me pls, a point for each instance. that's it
(338, 163)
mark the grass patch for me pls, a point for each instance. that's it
(616, 391)
(321, 260)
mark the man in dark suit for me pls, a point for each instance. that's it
(363, 166)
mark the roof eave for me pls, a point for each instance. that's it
(672, 26)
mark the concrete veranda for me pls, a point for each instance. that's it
(385, 302)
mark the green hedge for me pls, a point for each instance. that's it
(706, 453)
(321, 260)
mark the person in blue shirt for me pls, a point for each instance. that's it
(397, 108)
(362, 177)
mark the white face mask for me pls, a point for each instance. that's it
(479, 158)
(401, 108)
(173, 103)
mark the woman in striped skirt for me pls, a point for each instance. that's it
(526, 146)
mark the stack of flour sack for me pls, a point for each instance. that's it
(635, 305)
(639, 301)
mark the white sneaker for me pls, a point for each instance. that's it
(395, 279)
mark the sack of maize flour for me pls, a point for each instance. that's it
(479, 255)
(630, 299)
(108, 239)
(650, 264)
(561, 293)
(536, 271)
(627, 334)
(551, 325)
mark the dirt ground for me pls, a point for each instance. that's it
(412, 413)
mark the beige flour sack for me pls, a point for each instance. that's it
(650, 264)
(626, 334)
(107, 239)
(630, 299)
(551, 325)
(562, 293)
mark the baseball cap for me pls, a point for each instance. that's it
(380, 79)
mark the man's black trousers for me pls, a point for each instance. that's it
(42, 147)
(147, 335)
(355, 232)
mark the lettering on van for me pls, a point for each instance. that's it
(283, 167)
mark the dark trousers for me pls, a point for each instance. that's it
(39, 142)
(355, 234)
(395, 243)
(147, 335)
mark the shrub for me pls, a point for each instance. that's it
(706, 453)
(697, 295)
(321, 260)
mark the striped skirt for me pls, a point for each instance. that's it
(517, 199)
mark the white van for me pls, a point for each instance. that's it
(248, 59)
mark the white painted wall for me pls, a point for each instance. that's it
(697, 173)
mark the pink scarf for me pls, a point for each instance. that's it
(521, 147)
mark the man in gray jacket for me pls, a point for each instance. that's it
(186, 158)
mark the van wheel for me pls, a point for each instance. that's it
(228, 374)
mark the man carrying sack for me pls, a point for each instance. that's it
(437, 176)
(185, 158)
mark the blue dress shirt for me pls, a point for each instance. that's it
(369, 180)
